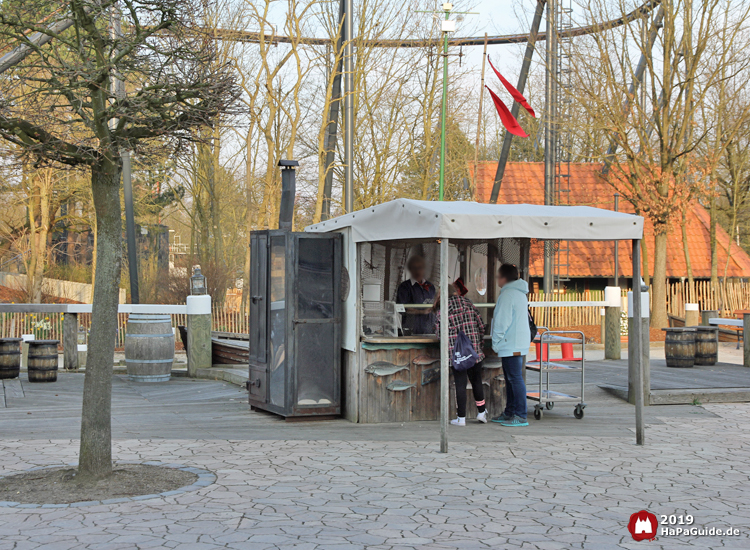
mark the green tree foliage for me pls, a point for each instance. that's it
(422, 172)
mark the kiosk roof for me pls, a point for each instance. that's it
(404, 219)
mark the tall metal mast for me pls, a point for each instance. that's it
(563, 134)
(348, 108)
(550, 136)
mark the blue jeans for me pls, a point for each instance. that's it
(515, 388)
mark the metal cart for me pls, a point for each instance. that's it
(544, 366)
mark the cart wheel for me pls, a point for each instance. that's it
(578, 412)
(550, 405)
(538, 413)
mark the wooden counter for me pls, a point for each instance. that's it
(421, 339)
(421, 401)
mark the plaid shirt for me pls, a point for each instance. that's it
(462, 315)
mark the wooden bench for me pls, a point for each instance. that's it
(725, 324)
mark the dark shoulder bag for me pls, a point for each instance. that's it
(464, 355)
(532, 325)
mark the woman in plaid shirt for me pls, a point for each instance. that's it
(462, 315)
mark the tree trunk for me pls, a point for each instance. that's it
(244, 303)
(42, 233)
(33, 282)
(93, 258)
(645, 271)
(659, 283)
(214, 185)
(96, 427)
(193, 239)
(686, 251)
(732, 231)
(249, 217)
(36, 279)
(38, 214)
(712, 241)
(204, 170)
(269, 190)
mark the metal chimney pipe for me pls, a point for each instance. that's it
(288, 191)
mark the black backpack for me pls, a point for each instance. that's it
(532, 325)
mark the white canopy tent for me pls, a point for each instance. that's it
(406, 219)
(410, 219)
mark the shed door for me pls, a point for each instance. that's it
(317, 313)
(258, 297)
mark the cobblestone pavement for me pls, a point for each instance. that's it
(541, 491)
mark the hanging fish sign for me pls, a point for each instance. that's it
(425, 360)
(399, 385)
(384, 368)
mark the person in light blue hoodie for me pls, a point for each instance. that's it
(511, 337)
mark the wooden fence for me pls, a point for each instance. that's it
(229, 320)
(49, 325)
(725, 298)
(567, 316)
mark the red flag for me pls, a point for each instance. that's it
(518, 96)
(509, 121)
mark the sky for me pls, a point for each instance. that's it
(492, 16)
(495, 17)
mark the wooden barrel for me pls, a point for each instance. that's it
(43, 360)
(706, 345)
(679, 347)
(10, 358)
(149, 348)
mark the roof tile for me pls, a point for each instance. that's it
(523, 182)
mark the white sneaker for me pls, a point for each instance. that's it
(482, 417)
(460, 421)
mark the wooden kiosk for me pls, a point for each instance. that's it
(456, 239)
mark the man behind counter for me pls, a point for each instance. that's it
(417, 290)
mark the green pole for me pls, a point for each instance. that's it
(444, 109)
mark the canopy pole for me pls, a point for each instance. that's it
(637, 361)
(444, 359)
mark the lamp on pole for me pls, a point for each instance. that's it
(198, 282)
(447, 26)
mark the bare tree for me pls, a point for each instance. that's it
(657, 167)
(60, 107)
(273, 91)
(725, 151)
(31, 209)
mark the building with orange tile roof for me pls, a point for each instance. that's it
(523, 182)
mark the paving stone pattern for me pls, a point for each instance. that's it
(540, 491)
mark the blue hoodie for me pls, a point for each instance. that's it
(510, 322)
